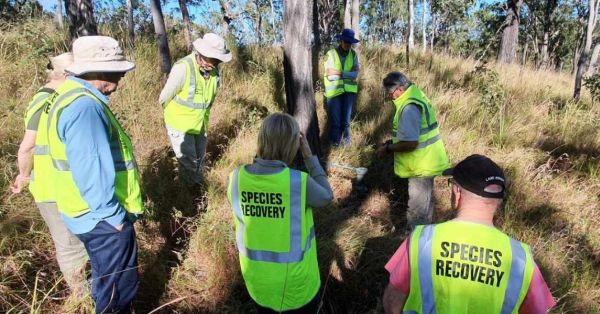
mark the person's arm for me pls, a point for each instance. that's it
(173, 85)
(353, 74)
(83, 127)
(409, 128)
(332, 73)
(318, 190)
(393, 300)
(538, 299)
(24, 161)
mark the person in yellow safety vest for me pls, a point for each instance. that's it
(419, 153)
(466, 265)
(33, 155)
(97, 182)
(187, 99)
(341, 72)
(272, 211)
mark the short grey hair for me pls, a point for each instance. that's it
(394, 80)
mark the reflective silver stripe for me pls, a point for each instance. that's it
(41, 150)
(61, 165)
(192, 87)
(429, 141)
(332, 87)
(190, 104)
(37, 101)
(429, 128)
(516, 277)
(124, 165)
(425, 274)
(296, 253)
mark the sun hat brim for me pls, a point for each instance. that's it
(210, 53)
(347, 39)
(79, 68)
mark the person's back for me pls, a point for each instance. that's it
(469, 267)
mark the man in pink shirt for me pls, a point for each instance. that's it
(466, 265)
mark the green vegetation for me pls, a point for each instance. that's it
(520, 117)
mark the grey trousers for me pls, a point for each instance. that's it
(189, 150)
(420, 201)
(70, 252)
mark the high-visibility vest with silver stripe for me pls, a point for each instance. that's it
(127, 180)
(429, 158)
(337, 87)
(465, 267)
(189, 110)
(275, 237)
(40, 184)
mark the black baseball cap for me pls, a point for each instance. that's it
(476, 173)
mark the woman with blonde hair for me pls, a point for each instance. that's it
(272, 207)
(33, 152)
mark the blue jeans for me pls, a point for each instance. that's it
(340, 113)
(113, 256)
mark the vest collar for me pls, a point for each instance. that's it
(270, 163)
(409, 92)
(90, 88)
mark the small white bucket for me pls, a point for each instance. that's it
(360, 173)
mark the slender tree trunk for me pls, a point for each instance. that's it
(59, 14)
(510, 35)
(161, 37)
(187, 30)
(297, 64)
(424, 26)
(348, 14)
(356, 18)
(130, 23)
(81, 18)
(433, 27)
(227, 17)
(582, 65)
(591, 70)
(411, 24)
(550, 6)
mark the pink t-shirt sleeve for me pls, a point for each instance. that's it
(399, 268)
(538, 298)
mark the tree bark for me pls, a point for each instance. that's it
(550, 6)
(59, 14)
(161, 37)
(187, 30)
(424, 26)
(130, 25)
(81, 18)
(356, 18)
(582, 65)
(411, 24)
(297, 65)
(348, 14)
(433, 27)
(510, 35)
(591, 70)
(227, 17)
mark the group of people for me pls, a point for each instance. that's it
(87, 188)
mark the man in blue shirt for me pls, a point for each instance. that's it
(96, 150)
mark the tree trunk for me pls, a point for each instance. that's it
(227, 17)
(81, 18)
(582, 65)
(550, 6)
(130, 25)
(433, 27)
(356, 18)
(161, 37)
(411, 24)
(187, 31)
(424, 26)
(297, 65)
(591, 70)
(348, 14)
(59, 14)
(510, 35)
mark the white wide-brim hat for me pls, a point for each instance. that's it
(212, 46)
(97, 54)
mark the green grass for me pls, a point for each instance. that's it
(520, 117)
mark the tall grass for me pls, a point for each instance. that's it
(520, 117)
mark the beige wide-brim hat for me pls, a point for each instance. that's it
(97, 54)
(212, 46)
(61, 62)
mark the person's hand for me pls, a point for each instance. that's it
(381, 151)
(304, 147)
(19, 184)
(333, 72)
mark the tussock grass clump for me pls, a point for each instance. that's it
(188, 261)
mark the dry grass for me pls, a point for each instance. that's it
(549, 146)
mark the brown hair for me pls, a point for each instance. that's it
(278, 138)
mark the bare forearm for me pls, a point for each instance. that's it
(403, 147)
(393, 300)
(25, 161)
